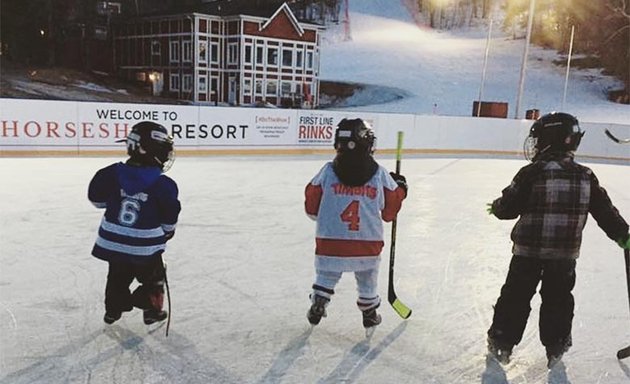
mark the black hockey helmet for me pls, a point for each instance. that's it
(553, 132)
(354, 136)
(149, 144)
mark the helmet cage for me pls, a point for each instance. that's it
(553, 132)
(354, 136)
(150, 144)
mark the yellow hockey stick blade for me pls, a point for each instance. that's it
(401, 309)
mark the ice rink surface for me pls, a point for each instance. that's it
(241, 268)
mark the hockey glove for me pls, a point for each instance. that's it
(625, 244)
(489, 209)
(401, 181)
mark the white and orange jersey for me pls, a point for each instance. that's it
(350, 219)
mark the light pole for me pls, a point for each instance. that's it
(521, 84)
(485, 65)
(566, 79)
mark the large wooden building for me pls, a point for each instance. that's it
(228, 59)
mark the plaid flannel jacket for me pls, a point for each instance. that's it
(553, 197)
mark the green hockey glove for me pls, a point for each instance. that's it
(625, 244)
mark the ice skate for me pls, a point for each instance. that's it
(151, 316)
(317, 310)
(501, 352)
(553, 360)
(111, 317)
(370, 320)
(555, 353)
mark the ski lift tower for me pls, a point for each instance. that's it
(346, 20)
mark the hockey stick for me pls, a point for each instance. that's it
(398, 305)
(616, 139)
(168, 296)
(625, 352)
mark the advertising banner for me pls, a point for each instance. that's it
(317, 128)
(39, 124)
(252, 127)
(48, 127)
(104, 123)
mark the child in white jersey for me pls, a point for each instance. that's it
(350, 198)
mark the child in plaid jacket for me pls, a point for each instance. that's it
(552, 198)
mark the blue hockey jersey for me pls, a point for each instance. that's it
(141, 210)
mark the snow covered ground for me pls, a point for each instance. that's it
(441, 71)
(240, 271)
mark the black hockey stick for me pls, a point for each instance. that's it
(616, 139)
(168, 296)
(625, 352)
(398, 305)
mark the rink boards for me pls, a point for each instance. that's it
(70, 128)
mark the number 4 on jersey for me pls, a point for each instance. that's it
(351, 216)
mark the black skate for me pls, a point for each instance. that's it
(151, 316)
(317, 310)
(500, 351)
(555, 353)
(370, 320)
(111, 317)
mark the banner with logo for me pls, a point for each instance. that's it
(70, 127)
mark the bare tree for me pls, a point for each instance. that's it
(622, 8)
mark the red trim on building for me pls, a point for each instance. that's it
(142, 47)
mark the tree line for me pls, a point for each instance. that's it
(601, 28)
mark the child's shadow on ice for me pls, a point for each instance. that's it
(360, 356)
(495, 374)
(558, 374)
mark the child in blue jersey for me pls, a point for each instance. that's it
(350, 198)
(141, 211)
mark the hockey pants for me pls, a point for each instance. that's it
(367, 284)
(148, 295)
(512, 309)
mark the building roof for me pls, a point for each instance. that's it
(259, 8)
(255, 8)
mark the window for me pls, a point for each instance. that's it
(214, 54)
(187, 83)
(174, 81)
(259, 87)
(203, 52)
(214, 85)
(174, 51)
(285, 88)
(248, 54)
(187, 51)
(232, 53)
(309, 60)
(287, 57)
(155, 47)
(272, 56)
(203, 84)
(247, 86)
(260, 54)
(272, 88)
(299, 56)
